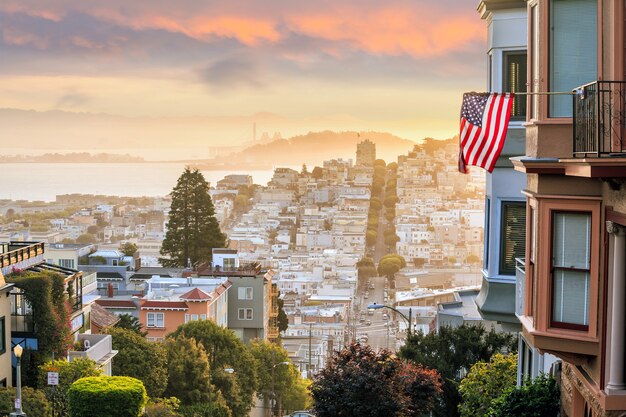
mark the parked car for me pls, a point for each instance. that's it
(368, 323)
(385, 317)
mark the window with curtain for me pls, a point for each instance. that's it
(515, 73)
(512, 235)
(571, 263)
(573, 50)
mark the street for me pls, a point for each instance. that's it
(380, 332)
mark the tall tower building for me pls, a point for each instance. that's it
(366, 153)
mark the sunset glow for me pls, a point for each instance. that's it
(397, 66)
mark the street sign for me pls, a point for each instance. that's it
(18, 404)
(53, 378)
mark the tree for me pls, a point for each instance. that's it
(69, 372)
(92, 230)
(472, 259)
(304, 171)
(537, 398)
(452, 351)
(192, 229)
(128, 249)
(130, 322)
(225, 350)
(390, 264)
(380, 163)
(140, 359)
(34, 403)
(485, 382)
(360, 382)
(375, 204)
(86, 239)
(188, 371)
(275, 380)
(283, 320)
(370, 237)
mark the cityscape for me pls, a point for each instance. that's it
(180, 237)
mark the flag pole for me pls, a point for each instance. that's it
(531, 93)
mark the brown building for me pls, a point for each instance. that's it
(574, 285)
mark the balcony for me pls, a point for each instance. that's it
(274, 311)
(599, 119)
(20, 255)
(97, 347)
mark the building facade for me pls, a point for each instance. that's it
(366, 153)
(573, 279)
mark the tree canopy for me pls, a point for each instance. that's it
(128, 248)
(140, 359)
(360, 382)
(277, 380)
(188, 371)
(192, 229)
(453, 351)
(537, 398)
(225, 350)
(485, 382)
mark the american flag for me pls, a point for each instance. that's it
(484, 122)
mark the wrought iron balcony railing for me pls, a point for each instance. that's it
(599, 119)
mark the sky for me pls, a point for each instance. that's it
(294, 66)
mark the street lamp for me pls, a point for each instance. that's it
(17, 350)
(375, 306)
(273, 385)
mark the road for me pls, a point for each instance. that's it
(380, 333)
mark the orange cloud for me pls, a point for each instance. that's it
(391, 30)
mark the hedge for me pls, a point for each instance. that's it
(107, 396)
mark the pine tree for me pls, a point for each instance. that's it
(192, 229)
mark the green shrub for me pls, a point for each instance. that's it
(69, 372)
(537, 398)
(107, 396)
(213, 409)
(34, 402)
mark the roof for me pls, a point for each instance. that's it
(143, 277)
(111, 276)
(224, 250)
(196, 295)
(116, 303)
(164, 305)
(102, 318)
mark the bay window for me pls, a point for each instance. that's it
(573, 50)
(571, 265)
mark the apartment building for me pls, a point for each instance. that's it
(252, 298)
(171, 302)
(572, 288)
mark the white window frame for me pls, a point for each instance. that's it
(245, 314)
(152, 320)
(245, 293)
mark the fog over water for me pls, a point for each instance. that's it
(44, 181)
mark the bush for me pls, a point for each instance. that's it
(162, 407)
(537, 398)
(107, 396)
(34, 402)
(69, 372)
(485, 382)
(214, 409)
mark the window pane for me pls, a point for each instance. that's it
(573, 50)
(241, 314)
(249, 293)
(512, 236)
(571, 242)
(515, 72)
(570, 303)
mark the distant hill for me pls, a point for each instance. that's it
(316, 147)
